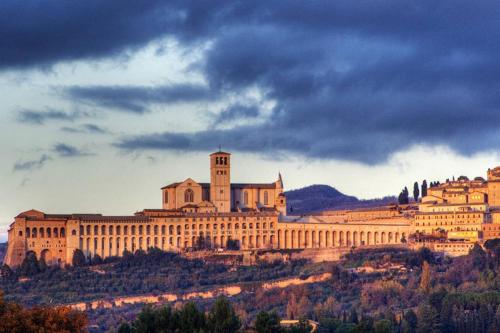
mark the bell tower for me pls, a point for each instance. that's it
(220, 181)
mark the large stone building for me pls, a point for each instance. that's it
(200, 215)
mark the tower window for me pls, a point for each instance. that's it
(188, 195)
(225, 160)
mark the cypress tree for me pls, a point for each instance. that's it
(416, 191)
(424, 188)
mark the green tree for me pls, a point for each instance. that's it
(428, 319)
(409, 322)
(124, 328)
(78, 258)
(146, 321)
(478, 256)
(268, 323)
(6, 272)
(191, 320)
(383, 326)
(353, 316)
(30, 265)
(416, 191)
(424, 188)
(222, 318)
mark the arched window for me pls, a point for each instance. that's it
(245, 198)
(188, 195)
(266, 198)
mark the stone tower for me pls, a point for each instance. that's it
(220, 181)
(494, 187)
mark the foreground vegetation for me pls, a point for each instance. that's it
(151, 272)
(15, 318)
(380, 290)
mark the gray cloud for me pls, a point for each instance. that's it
(65, 150)
(32, 165)
(236, 112)
(137, 99)
(86, 128)
(41, 117)
(349, 80)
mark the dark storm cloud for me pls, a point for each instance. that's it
(349, 80)
(138, 99)
(32, 165)
(65, 150)
(236, 112)
(41, 117)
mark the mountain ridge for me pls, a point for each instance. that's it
(320, 197)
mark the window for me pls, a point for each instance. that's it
(188, 195)
(266, 198)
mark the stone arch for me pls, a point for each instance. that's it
(306, 239)
(355, 238)
(62, 232)
(334, 237)
(287, 239)
(389, 235)
(300, 239)
(383, 238)
(28, 232)
(56, 232)
(320, 239)
(117, 247)
(271, 240)
(362, 240)
(341, 238)
(294, 239)
(328, 240)
(375, 238)
(369, 238)
(41, 232)
(257, 241)
(396, 238)
(178, 230)
(49, 232)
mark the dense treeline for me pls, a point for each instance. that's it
(221, 318)
(154, 271)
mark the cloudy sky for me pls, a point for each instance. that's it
(103, 102)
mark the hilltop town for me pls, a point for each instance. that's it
(221, 215)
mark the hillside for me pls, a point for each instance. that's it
(316, 198)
